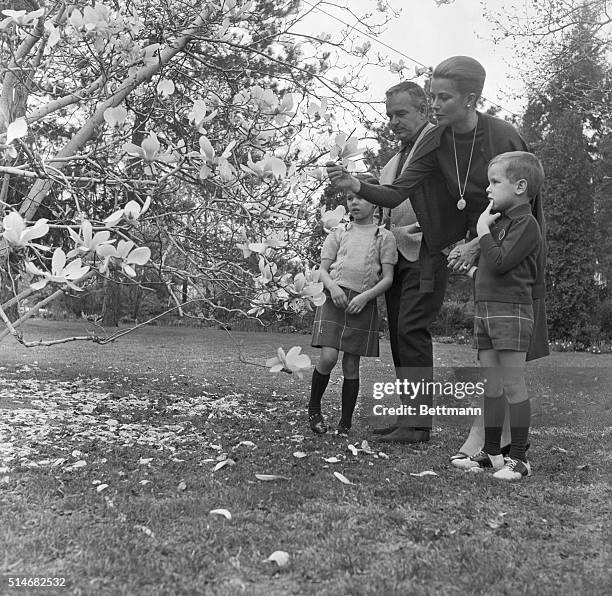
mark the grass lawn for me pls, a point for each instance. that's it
(111, 459)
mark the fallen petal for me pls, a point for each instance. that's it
(224, 512)
(223, 463)
(299, 454)
(280, 557)
(425, 473)
(270, 477)
(342, 478)
(145, 530)
(365, 447)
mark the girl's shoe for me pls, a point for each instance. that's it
(341, 430)
(317, 424)
(480, 461)
(514, 469)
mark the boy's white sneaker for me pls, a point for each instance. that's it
(480, 461)
(514, 469)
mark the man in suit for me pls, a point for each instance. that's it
(410, 310)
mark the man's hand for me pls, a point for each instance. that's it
(338, 296)
(463, 256)
(340, 178)
(357, 304)
(485, 220)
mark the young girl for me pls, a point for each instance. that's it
(357, 262)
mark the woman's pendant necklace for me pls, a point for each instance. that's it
(461, 202)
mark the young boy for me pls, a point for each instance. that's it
(357, 263)
(510, 243)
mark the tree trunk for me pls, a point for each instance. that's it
(137, 301)
(7, 291)
(111, 308)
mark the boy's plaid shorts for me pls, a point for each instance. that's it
(502, 326)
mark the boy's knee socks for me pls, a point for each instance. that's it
(317, 388)
(494, 413)
(350, 390)
(520, 417)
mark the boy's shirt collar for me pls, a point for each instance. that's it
(518, 211)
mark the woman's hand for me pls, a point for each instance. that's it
(340, 178)
(463, 256)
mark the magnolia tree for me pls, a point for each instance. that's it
(180, 138)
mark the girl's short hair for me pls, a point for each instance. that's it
(521, 165)
(467, 74)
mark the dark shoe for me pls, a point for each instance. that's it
(317, 424)
(385, 430)
(406, 435)
(341, 430)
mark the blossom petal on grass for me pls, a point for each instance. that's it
(365, 447)
(224, 512)
(342, 478)
(280, 557)
(222, 464)
(246, 444)
(270, 477)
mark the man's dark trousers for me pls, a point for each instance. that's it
(410, 314)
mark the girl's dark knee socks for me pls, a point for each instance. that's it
(350, 390)
(317, 389)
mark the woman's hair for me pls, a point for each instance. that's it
(467, 74)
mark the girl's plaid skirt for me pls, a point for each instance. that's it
(353, 334)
